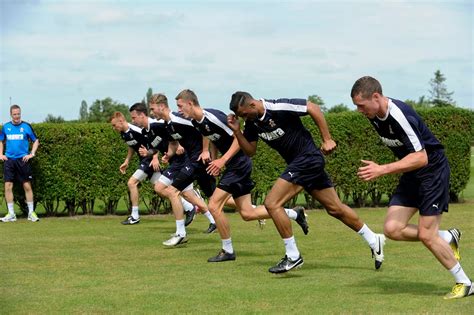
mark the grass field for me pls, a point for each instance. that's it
(96, 265)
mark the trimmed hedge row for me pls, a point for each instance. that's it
(77, 164)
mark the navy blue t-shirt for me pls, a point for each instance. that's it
(281, 128)
(182, 130)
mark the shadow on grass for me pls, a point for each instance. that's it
(401, 286)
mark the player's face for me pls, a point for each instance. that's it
(247, 112)
(118, 124)
(16, 115)
(366, 106)
(185, 107)
(138, 119)
(155, 110)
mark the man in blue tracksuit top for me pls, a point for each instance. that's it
(16, 135)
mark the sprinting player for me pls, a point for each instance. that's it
(424, 185)
(235, 180)
(156, 138)
(17, 135)
(182, 130)
(278, 123)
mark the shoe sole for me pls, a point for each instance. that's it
(184, 242)
(285, 271)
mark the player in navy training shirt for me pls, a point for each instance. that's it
(156, 139)
(235, 180)
(17, 135)
(132, 136)
(278, 123)
(182, 130)
(424, 184)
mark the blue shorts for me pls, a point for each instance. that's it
(195, 171)
(146, 167)
(427, 189)
(308, 172)
(16, 169)
(236, 178)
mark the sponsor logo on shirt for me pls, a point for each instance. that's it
(156, 141)
(176, 136)
(132, 142)
(214, 137)
(15, 137)
(391, 142)
(272, 135)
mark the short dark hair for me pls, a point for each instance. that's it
(238, 99)
(139, 107)
(14, 106)
(366, 86)
(188, 95)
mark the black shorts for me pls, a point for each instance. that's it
(195, 171)
(308, 172)
(427, 190)
(146, 167)
(16, 169)
(236, 178)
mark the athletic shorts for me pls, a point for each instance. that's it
(195, 171)
(145, 171)
(427, 189)
(308, 172)
(16, 169)
(236, 178)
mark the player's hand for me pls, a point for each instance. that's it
(233, 122)
(328, 146)
(27, 157)
(143, 151)
(123, 167)
(179, 150)
(3, 157)
(205, 157)
(165, 158)
(215, 167)
(370, 171)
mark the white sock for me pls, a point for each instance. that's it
(135, 213)
(30, 207)
(11, 209)
(186, 205)
(209, 217)
(227, 245)
(292, 251)
(445, 235)
(459, 275)
(291, 213)
(180, 230)
(368, 236)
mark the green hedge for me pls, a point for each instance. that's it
(77, 164)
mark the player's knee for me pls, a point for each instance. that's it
(392, 230)
(426, 237)
(132, 183)
(271, 205)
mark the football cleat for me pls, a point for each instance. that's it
(286, 264)
(130, 221)
(212, 227)
(261, 224)
(190, 215)
(301, 219)
(175, 240)
(378, 253)
(222, 256)
(33, 217)
(460, 290)
(454, 244)
(9, 218)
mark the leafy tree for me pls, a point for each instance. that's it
(53, 119)
(339, 108)
(102, 110)
(83, 112)
(316, 99)
(421, 103)
(440, 97)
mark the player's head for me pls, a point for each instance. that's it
(243, 105)
(118, 121)
(367, 94)
(139, 115)
(187, 101)
(158, 103)
(15, 113)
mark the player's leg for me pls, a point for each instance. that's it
(32, 216)
(137, 177)
(281, 192)
(396, 226)
(9, 177)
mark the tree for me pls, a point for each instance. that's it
(83, 112)
(149, 94)
(421, 103)
(440, 97)
(316, 99)
(102, 110)
(53, 119)
(339, 108)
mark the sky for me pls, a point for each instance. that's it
(54, 54)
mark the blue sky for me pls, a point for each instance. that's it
(54, 54)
